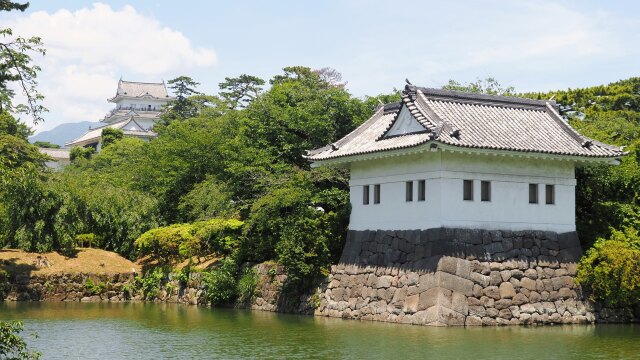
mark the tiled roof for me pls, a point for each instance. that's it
(93, 135)
(469, 120)
(118, 114)
(139, 89)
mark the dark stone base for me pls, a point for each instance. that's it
(448, 276)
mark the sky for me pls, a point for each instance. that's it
(530, 45)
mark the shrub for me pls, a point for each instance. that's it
(610, 270)
(169, 242)
(181, 241)
(93, 288)
(247, 284)
(221, 282)
(219, 236)
(150, 282)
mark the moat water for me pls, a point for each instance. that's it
(168, 331)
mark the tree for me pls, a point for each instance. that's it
(331, 76)
(15, 150)
(181, 108)
(300, 112)
(16, 66)
(111, 135)
(238, 92)
(79, 152)
(12, 346)
(487, 86)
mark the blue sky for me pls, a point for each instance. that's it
(531, 45)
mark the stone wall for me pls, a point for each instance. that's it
(98, 288)
(269, 295)
(457, 277)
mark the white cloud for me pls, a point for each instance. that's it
(513, 41)
(89, 49)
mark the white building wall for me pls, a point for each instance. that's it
(141, 103)
(444, 173)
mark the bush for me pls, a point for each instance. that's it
(169, 242)
(181, 241)
(247, 284)
(219, 236)
(150, 282)
(610, 270)
(221, 282)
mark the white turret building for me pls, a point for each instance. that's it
(138, 106)
(449, 159)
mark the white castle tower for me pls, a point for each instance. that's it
(138, 108)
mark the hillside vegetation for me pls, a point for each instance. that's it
(227, 177)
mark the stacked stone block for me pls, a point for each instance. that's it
(467, 277)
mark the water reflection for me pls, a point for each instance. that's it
(152, 331)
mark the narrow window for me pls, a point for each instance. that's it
(485, 191)
(468, 190)
(550, 194)
(409, 191)
(365, 195)
(376, 194)
(533, 193)
(422, 190)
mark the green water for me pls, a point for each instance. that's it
(160, 331)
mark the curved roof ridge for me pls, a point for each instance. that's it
(455, 95)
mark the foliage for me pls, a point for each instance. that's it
(46, 145)
(38, 217)
(300, 112)
(93, 288)
(88, 240)
(15, 150)
(184, 274)
(182, 241)
(208, 199)
(16, 66)
(487, 86)
(610, 270)
(298, 228)
(607, 197)
(169, 242)
(12, 346)
(110, 135)
(78, 152)
(239, 92)
(221, 283)
(10, 126)
(4, 284)
(181, 108)
(247, 284)
(219, 236)
(150, 282)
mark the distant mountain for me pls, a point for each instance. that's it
(64, 133)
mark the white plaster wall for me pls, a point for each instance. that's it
(141, 103)
(444, 173)
(146, 124)
(405, 124)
